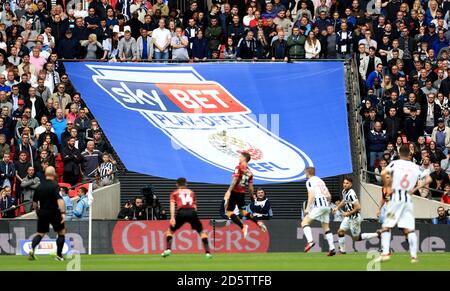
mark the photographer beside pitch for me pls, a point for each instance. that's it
(50, 209)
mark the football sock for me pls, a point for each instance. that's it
(329, 237)
(169, 242)
(385, 242)
(369, 235)
(60, 244)
(36, 241)
(341, 241)
(308, 233)
(412, 240)
(237, 220)
(206, 244)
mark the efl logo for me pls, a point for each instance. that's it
(203, 118)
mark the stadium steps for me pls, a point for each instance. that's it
(286, 199)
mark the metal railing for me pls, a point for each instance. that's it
(90, 180)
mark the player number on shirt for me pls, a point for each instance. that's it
(186, 199)
(244, 180)
(404, 183)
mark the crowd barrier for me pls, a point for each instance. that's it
(147, 237)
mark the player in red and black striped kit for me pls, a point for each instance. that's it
(183, 209)
(235, 196)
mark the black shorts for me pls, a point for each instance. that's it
(45, 218)
(187, 215)
(236, 199)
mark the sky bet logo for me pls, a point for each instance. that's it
(202, 117)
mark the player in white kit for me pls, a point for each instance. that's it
(403, 175)
(352, 216)
(317, 208)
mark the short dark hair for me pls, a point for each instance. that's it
(181, 181)
(83, 189)
(348, 179)
(404, 151)
(247, 156)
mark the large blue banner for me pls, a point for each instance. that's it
(193, 120)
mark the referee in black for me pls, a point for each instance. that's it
(50, 209)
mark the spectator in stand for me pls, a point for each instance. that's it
(29, 184)
(127, 47)
(445, 198)
(247, 47)
(377, 143)
(312, 46)
(213, 34)
(25, 147)
(296, 44)
(392, 124)
(200, 49)
(100, 143)
(443, 216)
(381, 166)
(441, 135)
(7, 171)
(82, 123)
(344, 42)
(236, 30)
(93, 48)
(438, 179)
(48, 131)
(42, 90)
(369, 63)
(37, 60)
(7, 202)
(90, 160)
(434, 153)
(180, 45)
(413, 126)
(144, 46)
(59, 124)
(21, 166)
(61, 96)
(106, 170)
(161, 40)
(430, 114)
(279, 49)
(35, 103)
(4, 147)
(68, 47)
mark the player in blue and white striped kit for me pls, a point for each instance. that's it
(403, 176)
(317, 208)
(352, 216)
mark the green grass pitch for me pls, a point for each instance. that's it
(229, 262)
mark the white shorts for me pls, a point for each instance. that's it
(400, 214)
(352, 224)
(321, 214)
